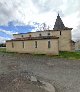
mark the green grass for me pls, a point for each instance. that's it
(2, 49)
(68, 55)
(62, 54)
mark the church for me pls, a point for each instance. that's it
(42, 42)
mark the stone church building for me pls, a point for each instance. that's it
(42, 42)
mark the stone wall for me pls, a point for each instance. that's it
(29, 46)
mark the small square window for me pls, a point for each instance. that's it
(48, 34)
(29, 35)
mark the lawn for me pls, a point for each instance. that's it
(2, 49)
(69, 55)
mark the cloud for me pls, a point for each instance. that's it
(6, 11)
(71, 6)
(40, 11)
(71, 20)
(36, 10)
(3, 39)
(8, 32)
(6, 35)
(47, 5)
(76, 33)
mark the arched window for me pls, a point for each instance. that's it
(21, 35)
(12, 45)
(60, 32)
(49, 44)
(23, 44)
(40, 35)
(35, 44)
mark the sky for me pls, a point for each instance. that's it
(22, 16)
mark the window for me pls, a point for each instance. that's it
(35, 44)
(40, 35)
(29, 35)
(49, 44)
(48, 34)
(21, 35)
(12, 45)
(60, 32)
(23, 44)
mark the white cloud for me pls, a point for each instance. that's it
(76, 33)
(72, 20)
(47, 5)
(10, 33)
(3, 39)
(41, 11)
(37, 10)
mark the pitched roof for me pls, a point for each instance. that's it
(58, 24)
(34, 38)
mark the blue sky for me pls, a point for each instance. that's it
(21, 16)
(7, 31)
(14, 29)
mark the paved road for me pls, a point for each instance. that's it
(63, 74)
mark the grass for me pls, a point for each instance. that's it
(69, 55)
(2, 50)
(62, 54)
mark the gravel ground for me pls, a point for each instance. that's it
(61, 73)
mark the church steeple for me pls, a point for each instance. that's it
(58, 24)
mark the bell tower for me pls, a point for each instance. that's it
(64, 34)
(59, 24)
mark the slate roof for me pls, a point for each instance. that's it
(59, 25)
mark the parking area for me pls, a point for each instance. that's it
(63, 74)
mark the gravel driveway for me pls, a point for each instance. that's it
(63, 74)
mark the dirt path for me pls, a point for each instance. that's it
(63, 74)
